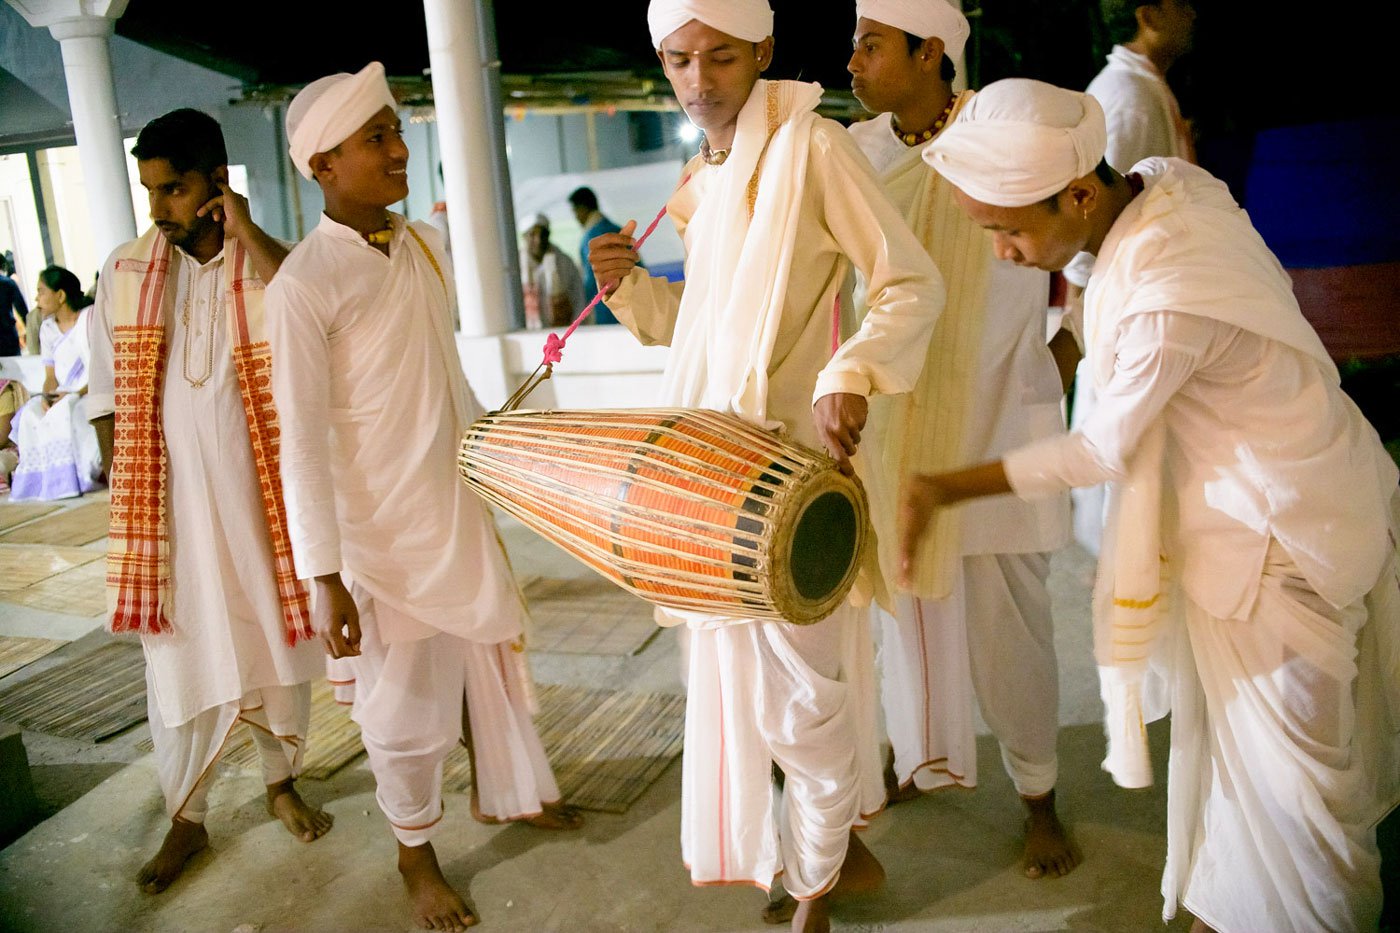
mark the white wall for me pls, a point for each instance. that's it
(603, 367)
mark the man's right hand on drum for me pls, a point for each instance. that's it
(840, 417)
(613, 256)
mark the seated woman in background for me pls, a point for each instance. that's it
(58, 454)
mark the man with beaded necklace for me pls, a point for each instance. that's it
(413, 594)
(976, 627)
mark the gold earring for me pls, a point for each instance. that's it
(1084, 212)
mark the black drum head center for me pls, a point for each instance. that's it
(823, 546)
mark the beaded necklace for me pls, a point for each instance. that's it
(914, 139)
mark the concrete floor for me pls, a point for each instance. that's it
(952, 857)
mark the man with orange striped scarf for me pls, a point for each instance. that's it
(198, 562)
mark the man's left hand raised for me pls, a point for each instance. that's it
(840, 417)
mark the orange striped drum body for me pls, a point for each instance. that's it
(689, 509)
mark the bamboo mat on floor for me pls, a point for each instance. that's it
(22, 566)
(606, 746)
(16, 652)
(587, 615)
(91, 697)
(332, 742)
(79, 525)
(81, 591)
(17, 513)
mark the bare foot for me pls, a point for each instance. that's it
(1200, 926)
(182, 841)
(861, 873)
(557, 815)
(780, 909)
(1049, 852)
(813, 916)
(436, 906)
(301, 819)
(893, 792)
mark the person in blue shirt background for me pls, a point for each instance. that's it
(11, 302)
(585, 205)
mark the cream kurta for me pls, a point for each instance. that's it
(1016, 389)
(372, 403)
(229, 637)
(844, 218)
(760, 692)
(989, 642)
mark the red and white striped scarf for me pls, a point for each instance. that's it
(138, 556)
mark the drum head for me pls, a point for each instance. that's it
(818, 546)
(823, 545)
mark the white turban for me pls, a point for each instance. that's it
(922, 18)
(750, 20)
(329, 109)
(1020, 141)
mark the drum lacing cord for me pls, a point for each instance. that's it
(554, 343)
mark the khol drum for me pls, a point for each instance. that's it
(688, 509)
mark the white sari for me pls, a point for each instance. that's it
(58, 453)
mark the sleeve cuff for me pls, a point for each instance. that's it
(842, 381)
(623, 294)
(1030, 469)
(100, 404)
(317, 562)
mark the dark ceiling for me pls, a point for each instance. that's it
(1255, 65)
(533, 38)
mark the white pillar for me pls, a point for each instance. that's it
(461, 97)
(83, 30)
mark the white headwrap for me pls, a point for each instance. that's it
(922, 18)
(1020, 141)
(329, 109)
(750, 20)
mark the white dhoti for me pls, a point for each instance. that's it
(802, 697)
(277, 718)
(1279, 737)
(409, 698)
(991, 641)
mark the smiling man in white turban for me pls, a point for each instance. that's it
(976, 627)
(1250, 546)
(773, 212)
(411, 588)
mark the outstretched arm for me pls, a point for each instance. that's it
(924, 494)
